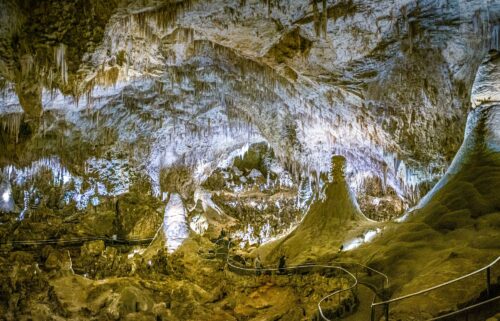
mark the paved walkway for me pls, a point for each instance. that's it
(365, 296)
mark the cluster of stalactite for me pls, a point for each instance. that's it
(243, 66)
(321, 13)
(104, 77)
(47, 43)
(251, 90)
(164, 16)
(245, 79)
(109, 72)
(242, 81)
(53, 72)
(320, 19)
(11, 124)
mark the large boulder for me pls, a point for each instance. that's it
(93, 248)
(137, 215)
(133, 300)
(59, 262)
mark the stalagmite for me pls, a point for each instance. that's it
(125, 126)
(175, 226)
(324, 19)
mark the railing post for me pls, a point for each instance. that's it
(386, 306)
(488, 282)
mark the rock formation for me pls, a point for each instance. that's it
(195, 122)
(453, 229)
(329, 220)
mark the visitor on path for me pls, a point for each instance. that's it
(257, 265)
(282, 264)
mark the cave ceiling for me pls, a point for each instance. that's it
(163, 84)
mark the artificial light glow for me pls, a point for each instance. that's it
(356, 242)
(6, 196)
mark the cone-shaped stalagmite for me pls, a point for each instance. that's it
(339, 204)
(328, 221)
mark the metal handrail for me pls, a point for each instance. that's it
(386, 278)
(470, 307)
(388, 302)
(212, 256)
(296, 267)
(336, 292)
(228, 262)
(439, 285)
(80, 239)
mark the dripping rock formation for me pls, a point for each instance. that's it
(175, 159)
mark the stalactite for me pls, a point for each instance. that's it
(27, 65)
(161, 17)
(316, 18)
(60, 58)
(11, 124)
(324, 19)
(495, 36)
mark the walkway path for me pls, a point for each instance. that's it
(347, 270)
(363, 311)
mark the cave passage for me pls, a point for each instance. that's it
(237, 160)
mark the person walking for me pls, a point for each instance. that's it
(258, 265)
(282, 264)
